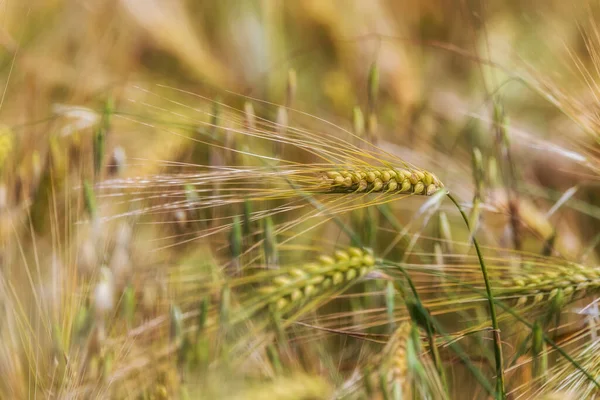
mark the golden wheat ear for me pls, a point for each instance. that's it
(391, 180)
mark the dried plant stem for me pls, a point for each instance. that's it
(500, 390)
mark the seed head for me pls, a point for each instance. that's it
(387, 180)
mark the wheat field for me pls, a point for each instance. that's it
(341, 199)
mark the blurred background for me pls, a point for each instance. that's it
(515, 80)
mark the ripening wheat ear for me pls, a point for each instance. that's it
(562, 283)
(547, 282)
(364, 180)
(296, 286)
(390, 367)
(293, 291)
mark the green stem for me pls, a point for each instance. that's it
(501, 394)
(451, 343)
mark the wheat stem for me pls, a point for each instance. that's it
(501, 393)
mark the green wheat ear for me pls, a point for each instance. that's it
(329, 274)
(560, 284)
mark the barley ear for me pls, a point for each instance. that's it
(314, 281)
(386, 180)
